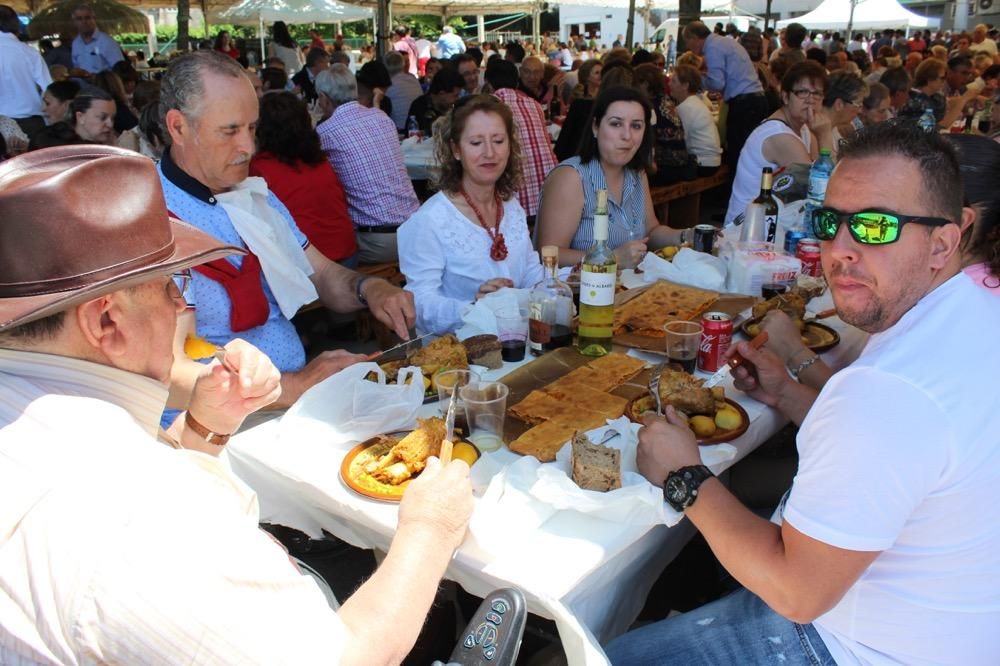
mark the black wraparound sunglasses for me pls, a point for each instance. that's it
(869, 227)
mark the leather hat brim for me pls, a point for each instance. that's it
(191, 248)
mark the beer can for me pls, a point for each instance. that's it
(792, 238)
(716, 336)
(807, 251)
(704, 238)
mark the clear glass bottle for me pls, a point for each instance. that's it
(551, 306)
(598, 274)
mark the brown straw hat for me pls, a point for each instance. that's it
(78, 222)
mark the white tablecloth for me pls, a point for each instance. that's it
(590, 576)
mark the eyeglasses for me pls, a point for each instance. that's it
(181, 281)
(870, 227)
(805, 93)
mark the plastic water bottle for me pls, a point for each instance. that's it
(819, 176)
(927, 121)
(413, 127)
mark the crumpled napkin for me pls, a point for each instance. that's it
(696, 269)
(526, 493)
(481, 317)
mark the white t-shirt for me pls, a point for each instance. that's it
(901, 454)
(746, 185)
(701, 135)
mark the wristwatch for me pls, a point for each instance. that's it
(680, 490)
(218, 439)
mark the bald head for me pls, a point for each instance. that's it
(532, 71)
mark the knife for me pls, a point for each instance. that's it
(402, 345)
(449, 427)
(735, 362)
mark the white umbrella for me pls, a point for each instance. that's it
(293, 11)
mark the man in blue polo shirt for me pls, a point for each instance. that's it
(730, 71)
(93, 50)
(209, 110)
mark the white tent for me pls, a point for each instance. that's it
(294, 11)
(868, 15)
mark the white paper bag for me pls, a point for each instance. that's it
(346, 408)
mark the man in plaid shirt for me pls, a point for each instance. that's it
(538, 158)
(363, 148)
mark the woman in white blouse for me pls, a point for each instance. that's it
(471, 238)
(700, 131)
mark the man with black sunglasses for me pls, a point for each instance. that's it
(881, 552)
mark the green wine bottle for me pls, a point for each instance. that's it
(597, 287)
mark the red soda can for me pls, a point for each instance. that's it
(807, 252)
(716, 336)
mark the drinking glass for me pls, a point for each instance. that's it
(485, 407)
(683, 339)
(512, 331)
(446, 383)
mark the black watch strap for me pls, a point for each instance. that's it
(680, 490)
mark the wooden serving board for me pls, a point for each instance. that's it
(731, 304)
(546, 369)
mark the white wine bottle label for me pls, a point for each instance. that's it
(597, 288)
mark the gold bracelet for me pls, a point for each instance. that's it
(215, 438)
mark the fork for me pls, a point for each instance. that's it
(654, 386)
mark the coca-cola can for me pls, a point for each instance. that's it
(808, 253)
(716, 336)
(704, 238)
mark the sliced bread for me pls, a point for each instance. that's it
(595, 467)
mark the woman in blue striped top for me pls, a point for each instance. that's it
(615, 156)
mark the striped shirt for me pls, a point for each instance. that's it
(536, 146)
(627, 220)
(119, 549)
(363, 148)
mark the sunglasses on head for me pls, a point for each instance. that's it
(868, 227)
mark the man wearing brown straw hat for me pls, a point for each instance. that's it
(113, 547)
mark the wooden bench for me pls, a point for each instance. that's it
(367, 326)
(679, 204)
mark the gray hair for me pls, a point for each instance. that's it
(183, 84)
(394, 62)
(337, 83)
(340, 57)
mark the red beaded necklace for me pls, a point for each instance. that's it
(498, 250)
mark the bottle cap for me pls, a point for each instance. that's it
(602, 200)
(825, 151)
(550, 251)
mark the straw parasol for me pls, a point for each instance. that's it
(112, 17)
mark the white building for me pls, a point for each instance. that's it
(604, 24)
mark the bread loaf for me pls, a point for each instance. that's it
(484, 350)
(595, 467)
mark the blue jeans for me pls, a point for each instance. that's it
(737, 629)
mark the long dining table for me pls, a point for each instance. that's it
(590, 575)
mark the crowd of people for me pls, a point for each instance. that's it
(218, 201)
